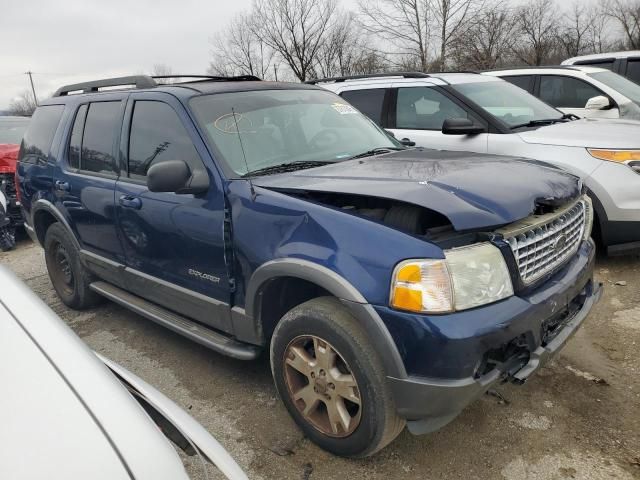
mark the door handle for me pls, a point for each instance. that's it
(128, 201)
(62, 186)
(407, 143)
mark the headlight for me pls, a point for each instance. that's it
(468, 277)
(619, 156)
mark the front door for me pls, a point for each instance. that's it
(570, 95)
(174, 244)
(420, 112)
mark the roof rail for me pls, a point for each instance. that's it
(213, 78)
(533, 67)
(140, 81)
(370, 75)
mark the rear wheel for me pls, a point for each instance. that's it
(332, 381)
(70, 279)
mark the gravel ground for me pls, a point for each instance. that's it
(578, 418)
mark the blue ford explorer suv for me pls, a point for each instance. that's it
(390, 286)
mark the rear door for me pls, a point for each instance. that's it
(84, 181)
(174, 244)
(418, 112)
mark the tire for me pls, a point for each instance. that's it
(7, 239)
(313, 332)
(70, 279)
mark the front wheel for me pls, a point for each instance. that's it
(332, 381)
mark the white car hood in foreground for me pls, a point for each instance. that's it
(64, 415)
(587, 132)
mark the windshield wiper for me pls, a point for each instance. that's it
(376, 151)
(286, 167)
(546, 121)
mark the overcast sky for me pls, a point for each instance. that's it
(70, 41)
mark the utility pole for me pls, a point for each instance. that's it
(33, 89)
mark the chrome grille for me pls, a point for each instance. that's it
(548, 244)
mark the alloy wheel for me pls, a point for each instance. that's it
(322, 386)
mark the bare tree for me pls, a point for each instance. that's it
(345, 52)
(404, 25)
(160, 70)
(239, 51)
(23, 105)
(488, 41)
(599, 33)
(294, 29)
(576, 36)
(449, 17)
(538, 23)
(626, 14)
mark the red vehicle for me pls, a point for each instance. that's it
(11, 131)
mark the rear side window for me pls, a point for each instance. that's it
(566, 92)
(425, 108)
(37, 140)
(633, 70)
(369, 102)
(157, 135)
(522, 81)
(100, 131)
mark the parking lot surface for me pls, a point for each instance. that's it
(578, 418)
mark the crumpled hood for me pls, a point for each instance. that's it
(587, 132)
(472, 190)
(8, 157)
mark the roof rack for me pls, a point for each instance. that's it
(532, 67)
(214, 78)
(141, 82)
(371, 75)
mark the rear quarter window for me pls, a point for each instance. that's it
(37, 140)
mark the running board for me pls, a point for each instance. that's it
(181, 325)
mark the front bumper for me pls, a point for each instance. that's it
(508, 341)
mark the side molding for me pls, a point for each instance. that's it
(341, 289)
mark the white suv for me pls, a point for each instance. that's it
(481, 113)
(626, 63)
(583, 91)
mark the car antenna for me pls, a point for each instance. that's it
(244, 156)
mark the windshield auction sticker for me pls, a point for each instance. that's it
(344, 109)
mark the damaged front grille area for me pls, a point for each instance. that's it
(541, 245)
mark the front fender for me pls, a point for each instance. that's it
(330, 281)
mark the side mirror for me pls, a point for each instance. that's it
(175, 176)
(461, 126)
(598, 103)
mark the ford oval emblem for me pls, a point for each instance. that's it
(560, 243)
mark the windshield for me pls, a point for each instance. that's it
(509, 103)
(282, 127)
(12, 129)
(619, 84)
